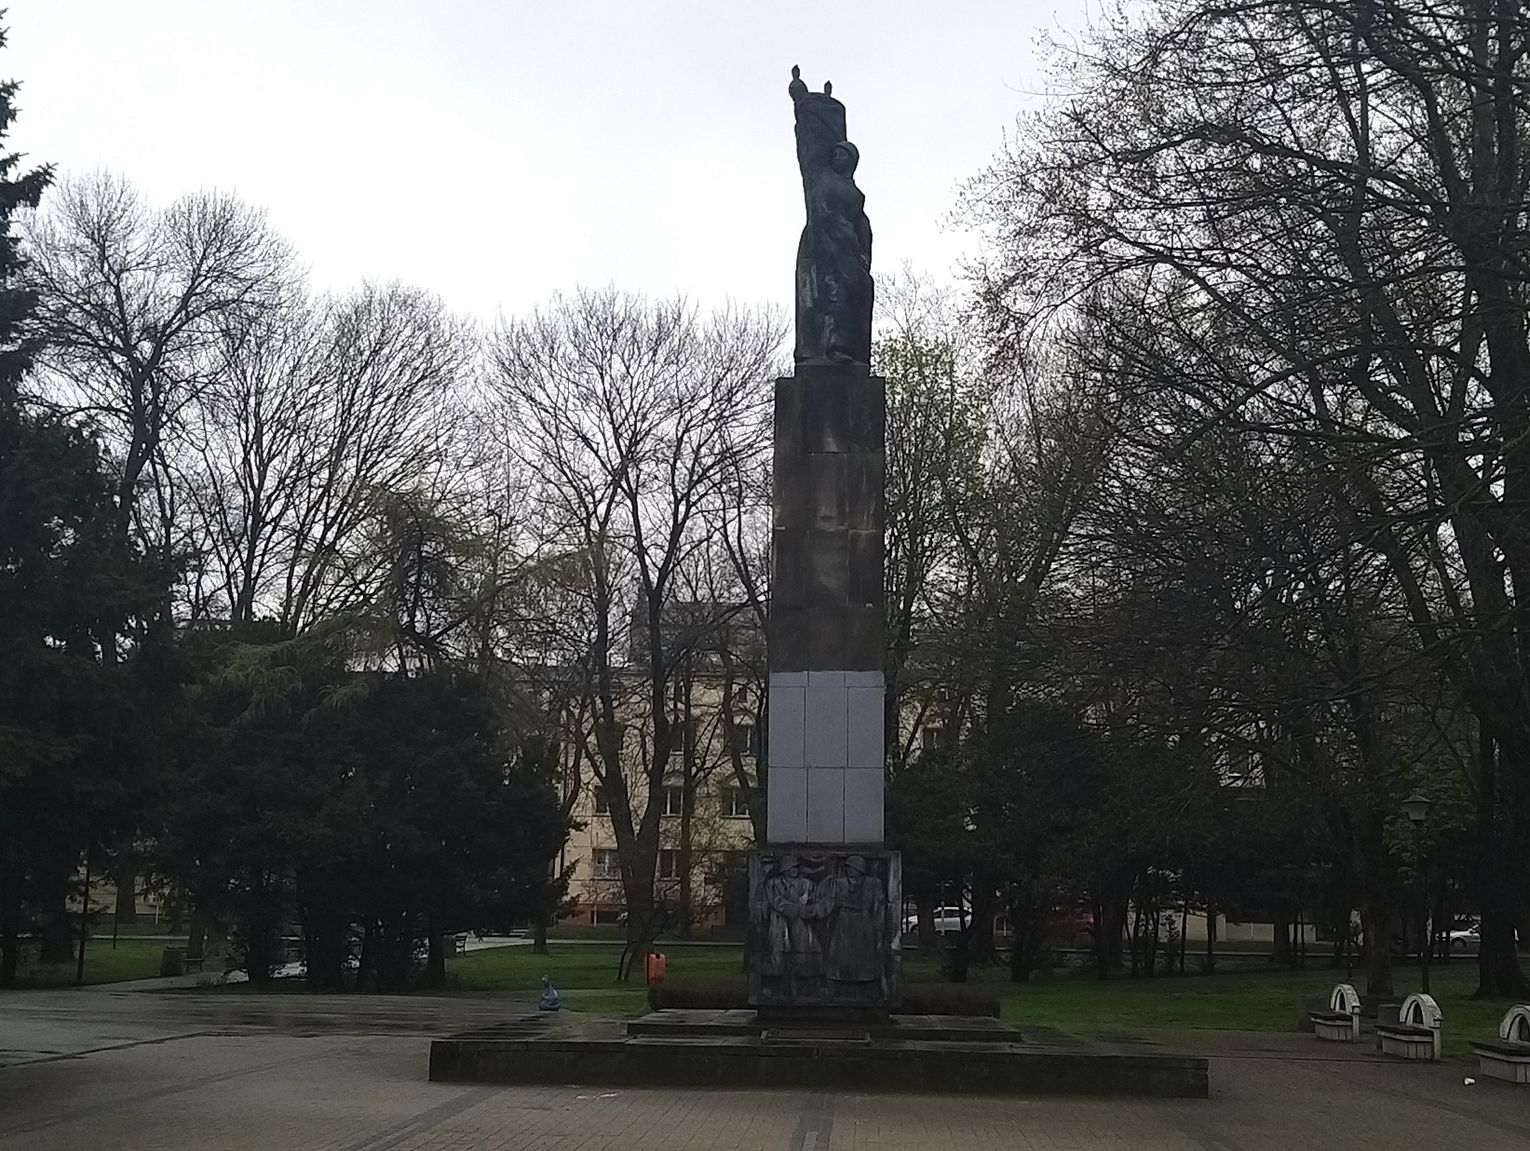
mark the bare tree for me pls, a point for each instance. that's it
(321, 415)
(245, 464)
(132, 303)
(1337, 192)
(630, 415)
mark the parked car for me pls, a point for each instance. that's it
(1070, 928)
(948, 921)
(1466, 938)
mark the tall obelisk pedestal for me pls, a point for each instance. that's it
(825, 907)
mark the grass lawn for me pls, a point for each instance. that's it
(132, 959)
(143, 926)
(1241, 1000)
(1267, 1001)
(585, 974)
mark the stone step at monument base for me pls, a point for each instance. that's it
(732, 1052)
(773, 1026)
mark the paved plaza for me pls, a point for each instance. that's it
(99, 1069)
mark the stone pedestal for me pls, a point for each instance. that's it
(826, 632)
(825, 897)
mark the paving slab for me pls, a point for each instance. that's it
(229, 1071)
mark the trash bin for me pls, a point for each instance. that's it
(172, 961)
(654, 967)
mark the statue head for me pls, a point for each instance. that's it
(788, 865)
(855, 864)
(845, 158)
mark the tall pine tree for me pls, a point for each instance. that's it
(64, 586)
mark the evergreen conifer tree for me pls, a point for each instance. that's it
(63, 587)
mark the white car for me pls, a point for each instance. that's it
(948, 921)
(1466, 939)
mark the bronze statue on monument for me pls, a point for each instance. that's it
(834, 285)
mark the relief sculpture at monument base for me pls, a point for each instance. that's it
(824, 927)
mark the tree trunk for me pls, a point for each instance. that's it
(1376, 909)
(324, 948)
(260, 950)
(175, 909)
(57, 935)
(10, 926)
(1025, 945)
(1114, 928)
(1499, 975)
(435, 958)
(126, 878)
(1135, 936)
(642, 928)
(10, 946)
(924, 909)
(687, 806)
(196, 938)
(366, 965)
(983, 912)
(323, 938)
(1280, 942)
(1211, 937)
(79, 967)
(1498, 971)
(1101, 949)
(539, 938)
(959, 959)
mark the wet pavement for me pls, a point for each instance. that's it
(49, 1024)
(234, 1070)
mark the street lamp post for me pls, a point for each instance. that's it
(1416, 808)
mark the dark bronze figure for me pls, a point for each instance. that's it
(834, 286)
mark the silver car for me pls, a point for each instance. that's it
(948, 921)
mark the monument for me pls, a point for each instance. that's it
(825, 915)
(824, 908)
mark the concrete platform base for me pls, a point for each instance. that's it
(731, 1049)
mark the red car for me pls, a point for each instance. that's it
(1070, 927)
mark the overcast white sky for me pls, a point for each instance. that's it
(496, 150)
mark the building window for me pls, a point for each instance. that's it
(605, 864)
(601, 806)
(673, 800)
(735, 803)
(729, 868)
(684, 738)
(934, 736)
(669, 864)
(602, 916)
(746, 739)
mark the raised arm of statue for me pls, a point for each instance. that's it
(820, 126)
